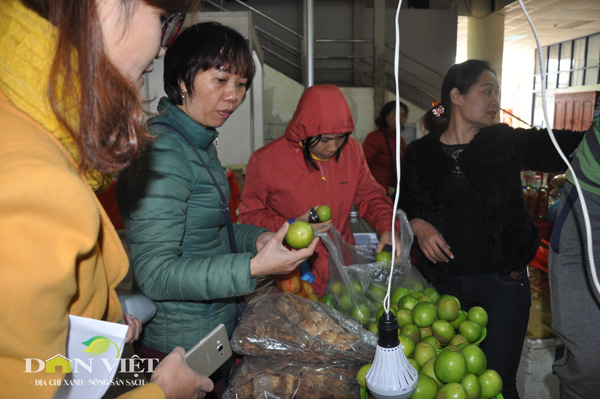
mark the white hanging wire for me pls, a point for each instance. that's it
(586, 216)
(386, 300)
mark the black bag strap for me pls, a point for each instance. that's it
(389, 147)
(224, 203)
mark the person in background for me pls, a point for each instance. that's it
(574, 298)
(71, 116)
(316, 163)
(186, 253)
(380, 146)
(461, 191)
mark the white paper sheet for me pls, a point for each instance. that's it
(94, 349)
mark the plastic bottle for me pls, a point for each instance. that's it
(532, 199)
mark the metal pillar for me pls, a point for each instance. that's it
(308, 70)
(378, 54)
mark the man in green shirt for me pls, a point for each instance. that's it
(575, 299)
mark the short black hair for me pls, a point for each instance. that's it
(202, 47)
(385, 111)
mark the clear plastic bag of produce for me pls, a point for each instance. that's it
(274, 378)
(357, 284)
(305, 330)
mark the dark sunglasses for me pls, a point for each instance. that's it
(170, 28)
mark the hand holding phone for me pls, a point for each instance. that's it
(210, 353)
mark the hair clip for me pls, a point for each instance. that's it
(438, 111)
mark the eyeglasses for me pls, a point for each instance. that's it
(170, 28)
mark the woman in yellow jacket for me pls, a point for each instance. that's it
(71, 116)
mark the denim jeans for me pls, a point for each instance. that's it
(507, 301)
(574, 299)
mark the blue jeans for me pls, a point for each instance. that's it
(574, 300)
(507, 301)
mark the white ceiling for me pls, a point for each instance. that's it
(554, 20)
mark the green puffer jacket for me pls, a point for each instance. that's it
(177, 234)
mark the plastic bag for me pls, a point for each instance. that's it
(305, 330)
(357, 284)
(262, 378)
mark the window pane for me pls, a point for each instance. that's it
(579, 53)
(553, 59)
(563, 80)
(591, 76)
(592, 59)
(565, 56)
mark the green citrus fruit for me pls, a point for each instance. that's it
(374, 327)
(398, 293)
(491, 383)
(407, 302)
(404, 317)
(452, 390)
(324, 213)
(476, 360)
(361, 375)
(377, 291)
(362, 313)
(432, 293)
(337, 288)
(428, 370)
(329, 300)
(408, 346)
(458, 339)
(462, 316)
(424, 314)
(427, 388)
(450, 366)
(470, 329)
(433, 341)
(447, 309)
(423, 352)
(426, 332)
(383, 256)
(442, 330)
(478, 315)
(472, 386)
(299, 235)
(346, 303)
(412, 332)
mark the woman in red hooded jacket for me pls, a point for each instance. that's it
(316, 163)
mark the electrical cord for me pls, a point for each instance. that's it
(386, 300)
(586, 216)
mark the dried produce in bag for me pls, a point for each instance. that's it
(357, 284)
(305, 330)
(266, 377)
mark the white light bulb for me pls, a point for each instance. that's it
(391, 376)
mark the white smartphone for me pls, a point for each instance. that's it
(210, 353)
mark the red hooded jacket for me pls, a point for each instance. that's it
(280, 185)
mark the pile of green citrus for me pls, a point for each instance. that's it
(354, 301)
(441, 341)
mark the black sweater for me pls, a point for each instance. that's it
(491, 163)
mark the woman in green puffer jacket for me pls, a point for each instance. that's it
(174, 214)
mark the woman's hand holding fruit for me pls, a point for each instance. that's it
(274, 258)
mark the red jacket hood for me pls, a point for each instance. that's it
(322, 109)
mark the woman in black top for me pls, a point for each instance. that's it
(461, 190)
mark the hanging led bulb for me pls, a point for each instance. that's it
(391, 376)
